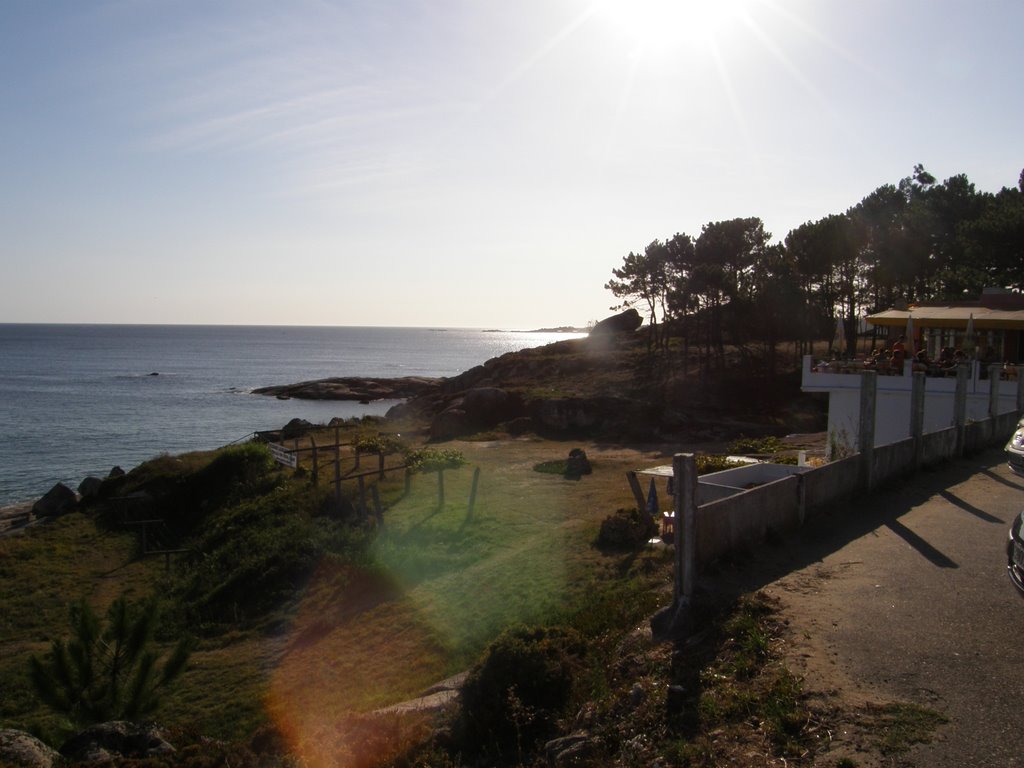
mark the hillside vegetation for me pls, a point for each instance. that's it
(315, 614)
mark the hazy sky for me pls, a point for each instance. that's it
(457, 162)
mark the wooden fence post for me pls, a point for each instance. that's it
(337, 474)
(380, 463)
(472, 494)
(378, 511)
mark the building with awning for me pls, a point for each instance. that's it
(992, 326)
(990, 374)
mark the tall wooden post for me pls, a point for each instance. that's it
(684, 471)
(337, 474)
(316, 460)
(378, 511)
(472, 493)
(380, 464)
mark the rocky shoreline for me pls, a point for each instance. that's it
(355, 388)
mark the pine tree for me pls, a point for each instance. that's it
(109, 672)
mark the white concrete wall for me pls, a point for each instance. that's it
(892, 405)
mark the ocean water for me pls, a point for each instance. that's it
(75, 400)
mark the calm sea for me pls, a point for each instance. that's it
(75, 400)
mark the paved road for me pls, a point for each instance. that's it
(903, 595)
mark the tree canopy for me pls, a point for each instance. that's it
(918, 239)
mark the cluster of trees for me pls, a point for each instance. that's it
(911, 241)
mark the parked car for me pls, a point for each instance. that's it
(1015, 553)
(1015, 450)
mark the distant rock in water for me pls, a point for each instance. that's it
(624, 322)
(154, 373)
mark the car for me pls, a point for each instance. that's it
(1015, 450)
(1015, 553)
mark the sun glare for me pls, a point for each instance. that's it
(662, 26)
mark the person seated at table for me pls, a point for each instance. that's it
(899, 354)
(884, 362)
(921, 363)
(1009, 371)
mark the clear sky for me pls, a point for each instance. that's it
(467, 163)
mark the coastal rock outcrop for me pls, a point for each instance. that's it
(295, 428)
(89, 488)
(624, 322)
(353, 388)
(58, 500)
(24, 750)
(476, 409)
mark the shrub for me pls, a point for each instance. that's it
(626, 530)
(433, 460)
(380, 443)
(767, 444)
(524, 683)
(107, 671)
(707, 463)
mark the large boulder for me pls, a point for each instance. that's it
(450, 423)
(120, 738)
(58, 501)
(624, 322)
(477, 409)
(295, 428)
(487, 406)
(89, 488)
(23, 750)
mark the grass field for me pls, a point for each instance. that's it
(437, 585)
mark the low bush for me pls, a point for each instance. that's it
(627, 529)
(767, 444)
(515, 696)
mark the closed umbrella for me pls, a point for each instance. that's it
(911, 347)
(968, 345)
(652, 499)
(837, 341)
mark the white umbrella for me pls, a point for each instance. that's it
(968, 345)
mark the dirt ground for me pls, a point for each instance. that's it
(901, 598)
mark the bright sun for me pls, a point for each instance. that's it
(659, 26)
